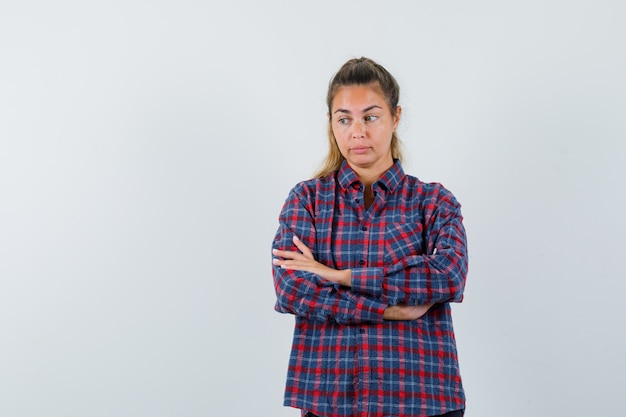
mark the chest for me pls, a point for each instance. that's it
(350, 234)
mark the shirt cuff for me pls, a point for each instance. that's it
(367, 281)
(369, 311)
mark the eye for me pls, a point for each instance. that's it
(370, 118)
(343, 121)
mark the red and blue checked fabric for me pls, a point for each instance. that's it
(409, 247)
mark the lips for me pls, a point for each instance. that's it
(360, 150)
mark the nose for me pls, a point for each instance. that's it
(358, 129)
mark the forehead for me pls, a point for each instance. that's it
(358, 96)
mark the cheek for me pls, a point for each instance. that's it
(340, 140)
(340, 143)
(339, 135)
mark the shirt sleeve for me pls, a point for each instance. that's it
(306, 294)
(417, 278)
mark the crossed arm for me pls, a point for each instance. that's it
(303, 260)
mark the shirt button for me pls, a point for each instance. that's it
(361, 262)
(364, 228)
(362, 330)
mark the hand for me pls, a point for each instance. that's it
(405, 312)
(304, 261)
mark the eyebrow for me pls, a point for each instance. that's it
(365, 110)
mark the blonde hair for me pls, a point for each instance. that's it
(359, 71)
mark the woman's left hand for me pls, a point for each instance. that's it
(304, 261)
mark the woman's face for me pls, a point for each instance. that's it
(363, 125)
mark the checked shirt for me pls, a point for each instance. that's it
(409, 247)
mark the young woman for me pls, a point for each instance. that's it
(368, 259)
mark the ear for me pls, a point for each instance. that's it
(396, 117)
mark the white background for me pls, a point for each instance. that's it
(146, 148)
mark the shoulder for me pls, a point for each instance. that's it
(432, 194)
(313, 193)
(314, 187)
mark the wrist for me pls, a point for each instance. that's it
(391, 313)
(347, 278)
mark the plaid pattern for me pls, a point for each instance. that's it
(409, 247)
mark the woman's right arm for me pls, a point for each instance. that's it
(306, 294)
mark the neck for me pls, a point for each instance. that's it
(369, 176)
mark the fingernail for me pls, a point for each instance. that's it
(295, 237)
(274, 251)
(275, 261)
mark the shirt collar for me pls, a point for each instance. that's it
(389, 180)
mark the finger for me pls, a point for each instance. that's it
(296, 265)
(303, 248)
(287, 254)
(279, 252)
